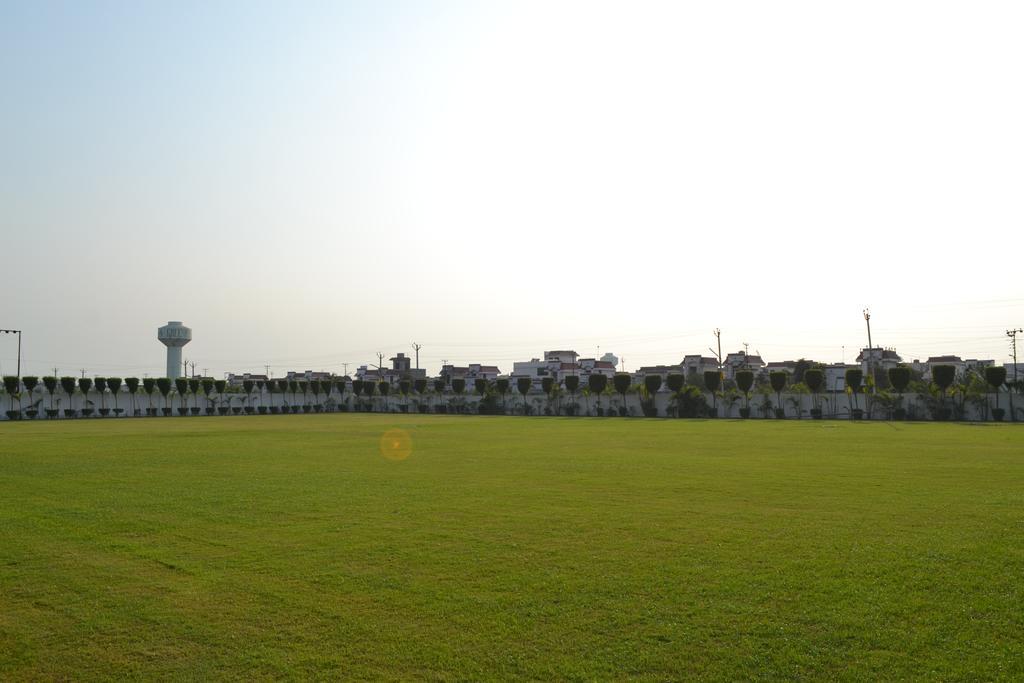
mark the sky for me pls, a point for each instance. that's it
(308, 184)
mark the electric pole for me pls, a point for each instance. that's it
(417, 348)
(718, 336)
(1012, 334)
(380, 361)
(345, 366)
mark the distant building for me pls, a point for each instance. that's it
(878, 359)
(741, 361)
(308, 375)
(470, 373)
(955, 361)
(835, 376)
(787, 366)
(662, 371)
(695, 365)
(237, 380)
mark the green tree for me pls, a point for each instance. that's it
(597, 383)
(221, 387)
(193, 388)
(51, 386)
(675, 383)
(778, 381)
(502, 386)
(181, 386)
(652, 384)
(996, 377)
(149, 386)
(814, 378)
(369, 388)
(11, 385)
(439, 387)
(133, 388)
(404, 387)
(899, 379)
(68, 385)
(854, 377)
(114, 384)
(547, 385)
(523, 384)
(458, 386)
(248, 386)
(163, 385)
(744, 382)
(271, 386)
(100, 384)
(480, 384)
(384, 388)
(207, 384)
(621, 382)
(943, 376)
(713, 382)
(85, 385)
(30, 382)
(572, 384)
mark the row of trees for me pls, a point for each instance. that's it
(498, 397)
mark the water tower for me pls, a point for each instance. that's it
(174, 335)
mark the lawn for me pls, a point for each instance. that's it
(525, 548)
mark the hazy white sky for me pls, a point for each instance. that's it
(305, 184)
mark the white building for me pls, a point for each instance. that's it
(835, 376)
(695, 364)
(740, 361)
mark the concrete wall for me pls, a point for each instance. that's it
(834, 405)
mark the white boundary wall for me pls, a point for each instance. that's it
(834, 405)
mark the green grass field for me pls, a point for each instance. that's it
(535, 548)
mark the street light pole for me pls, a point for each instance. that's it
(871, 374)
(17, 332)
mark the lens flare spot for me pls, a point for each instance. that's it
(396, 444)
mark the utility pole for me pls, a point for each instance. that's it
(718, 336)
(82, 370)
(206, 372)
(267, 369)
(417, 348)
(380, 361)
(1012, 334)
(345, 365)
